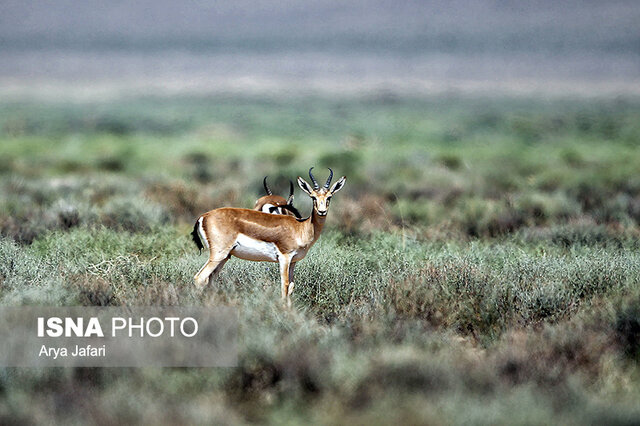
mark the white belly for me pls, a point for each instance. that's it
(250, 249)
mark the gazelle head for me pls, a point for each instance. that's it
(321, 196)
(276, 204)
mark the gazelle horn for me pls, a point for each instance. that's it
(326, 185)
(315, 182)
(266, 188)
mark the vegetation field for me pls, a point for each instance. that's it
(481, 265)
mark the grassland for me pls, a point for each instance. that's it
(481, 265)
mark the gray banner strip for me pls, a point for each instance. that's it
(118, 337)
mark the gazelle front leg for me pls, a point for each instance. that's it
(291, 283)
(285, 268)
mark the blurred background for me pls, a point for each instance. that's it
(481, 265)
(281, 47)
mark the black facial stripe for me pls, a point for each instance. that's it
(291, 209)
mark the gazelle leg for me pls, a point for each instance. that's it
(285, 264)
(218, 268)
(210, 269)
(291, 283)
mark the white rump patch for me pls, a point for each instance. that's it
(203, 237)
(251, 249)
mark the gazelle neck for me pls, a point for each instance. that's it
(316, 222)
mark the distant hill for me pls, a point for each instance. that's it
(539, 45)
(399, 26)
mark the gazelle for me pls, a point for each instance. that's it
(276, 204)
(262, 237)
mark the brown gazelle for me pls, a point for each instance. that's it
(276, 204)
(263, 237)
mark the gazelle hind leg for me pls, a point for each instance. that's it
(203, 274)
(217, 269)
(220, 246)
(209, 269)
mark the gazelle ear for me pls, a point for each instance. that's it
(338, 185)
(304, 186)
